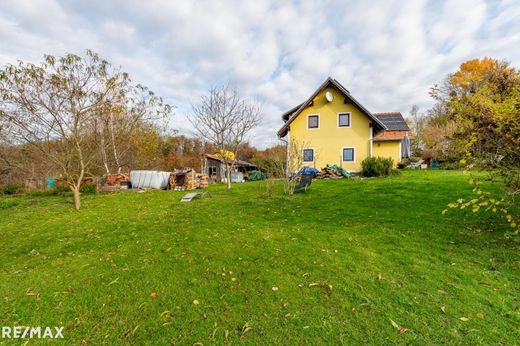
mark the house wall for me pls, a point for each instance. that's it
(329, 139)
(388, 149)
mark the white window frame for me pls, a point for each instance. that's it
(353, 154)
(313, 154)
(349, 120)
(319, 121)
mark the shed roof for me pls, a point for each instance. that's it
(237, 162)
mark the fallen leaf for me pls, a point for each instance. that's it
(480, 315)
(153, 295)
(400, 329)
(69, 289)
(443, 309)
(395, 325)
(301, 285)
(313, 284)
(274, 289)
(379, 277)
(33, 294)
(464, 319)
(196, 302)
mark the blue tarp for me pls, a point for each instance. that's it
(309, 170)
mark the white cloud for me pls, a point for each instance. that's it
(387, 53)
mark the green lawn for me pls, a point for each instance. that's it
(331, 266)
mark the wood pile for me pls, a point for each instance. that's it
(188, 180)
(202, 180)
(326, 173)
(184, 180)
(115, 179)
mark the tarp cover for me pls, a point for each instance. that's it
(405, 147)
(256, 175)
(151, 179)
(339, 169)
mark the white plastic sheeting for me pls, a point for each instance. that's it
(237, 177)
(152, 179)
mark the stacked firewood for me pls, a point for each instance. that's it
(184, 180)
(202, 180)
(327, 173)
(190, 181)
(115, 179)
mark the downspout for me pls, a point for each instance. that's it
(371, 139)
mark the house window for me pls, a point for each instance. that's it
(308, 155)
(348, 154)
(343, 119)
(313, 121)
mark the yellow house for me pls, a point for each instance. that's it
(332, 127)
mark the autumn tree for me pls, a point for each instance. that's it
(123, 122)
(55, 107)
(224, 119)
(482, 101)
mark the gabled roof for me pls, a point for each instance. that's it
(294, 112)
(287, 115)
(394, 121)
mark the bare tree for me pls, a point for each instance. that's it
(55, 107)
(284, 164)
(224, 119)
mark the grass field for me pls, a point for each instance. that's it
(334, 265)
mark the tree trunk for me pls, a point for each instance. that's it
(228, 173)
(103, 148)
(114, 148)
(77, 197)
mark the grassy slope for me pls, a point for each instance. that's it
(381, 243)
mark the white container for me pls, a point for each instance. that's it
(150, 179)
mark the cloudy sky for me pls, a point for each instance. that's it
(387, 53)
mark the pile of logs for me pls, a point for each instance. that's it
(115, 179)
(326, 173)
(202, 180)
(188, 180)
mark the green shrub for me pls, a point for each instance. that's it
(88, 188)
(12, 189)
(41, 193)
(61, 189)
(8, 203)
(376, 167)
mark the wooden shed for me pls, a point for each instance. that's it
(215, 168)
